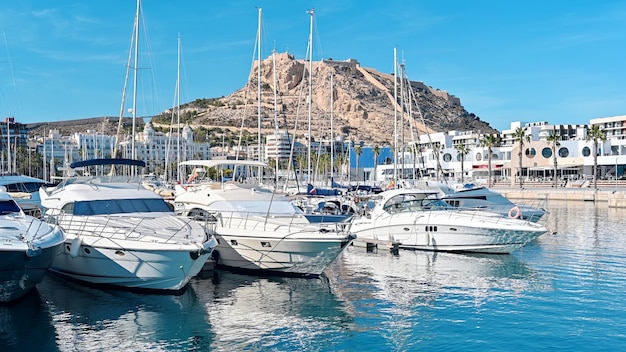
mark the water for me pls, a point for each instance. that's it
(565, 291)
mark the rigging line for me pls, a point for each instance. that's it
(11, 66)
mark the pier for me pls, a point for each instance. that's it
(614, 193)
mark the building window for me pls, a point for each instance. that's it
(563, 152)
(546, 152)
(447, 157)
(530, 152)
(586, 151)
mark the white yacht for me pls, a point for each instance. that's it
(121, 234)
(485, 199)
(27, 248)
(25, 190)
(417, 219)
(259, 230)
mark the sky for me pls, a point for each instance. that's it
(563, 62)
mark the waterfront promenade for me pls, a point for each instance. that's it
(612, 192)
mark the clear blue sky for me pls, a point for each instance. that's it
(558, 61)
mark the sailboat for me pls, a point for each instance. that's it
(119, 233)
(257, 229)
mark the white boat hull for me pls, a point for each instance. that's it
(291, 254)
(452, 231)
(19, 273)
(168, 269)
(28, 247)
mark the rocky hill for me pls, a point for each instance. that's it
(362, 107)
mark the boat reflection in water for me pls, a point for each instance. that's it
(419, 278)
(26, 325)
(276, 313)
(87, 318)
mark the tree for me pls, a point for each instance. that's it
(489, 141)
(596, 134)
(520, 137)
(358, 151)
(463, 150)
(553, 139)
(300, 162)
(376, 151)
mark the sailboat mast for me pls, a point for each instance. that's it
(259, 92)
(178, 160)
(311, 12)
(136, 65)
(395, 116)
(275, 112)
(332, 138)
(8, 145)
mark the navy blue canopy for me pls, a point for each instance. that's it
(108, 161)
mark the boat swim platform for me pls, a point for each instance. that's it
(372, 245)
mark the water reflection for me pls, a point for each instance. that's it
(25, 325)
(278, 313)
(86, 318)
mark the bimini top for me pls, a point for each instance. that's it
(212, 163)
(108, 161)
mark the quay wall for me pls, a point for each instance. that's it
(616, 198)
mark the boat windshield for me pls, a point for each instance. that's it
(8, 207)
(117, 206)
(403, 203)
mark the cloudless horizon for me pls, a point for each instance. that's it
(527, 61)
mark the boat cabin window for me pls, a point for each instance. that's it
(119, 206)
(8, 206)
(411, 202)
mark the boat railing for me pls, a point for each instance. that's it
(264, 221)
(119, 226)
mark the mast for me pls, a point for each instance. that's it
(395, 116)
(311, 12)
(275, 113)
(259, 170)
(332, 138)
(136, 64)
(8, 146)
(178, 174)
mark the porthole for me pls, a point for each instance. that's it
(479, 157)
(546, 152)
(447, 157)
(563, 152)
(586, 151)
(530, 152)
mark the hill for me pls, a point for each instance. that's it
(362, 109)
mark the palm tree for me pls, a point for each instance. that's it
(358, 151)
(553, 139)
(520, 137)
(376, 151)
(489, 141)
(300, 161)
(463, 150)
(596, 134)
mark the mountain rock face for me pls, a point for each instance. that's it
(362, 106)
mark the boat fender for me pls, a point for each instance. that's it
(75, 247)
(515, 212)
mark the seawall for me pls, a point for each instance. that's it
(616, 198)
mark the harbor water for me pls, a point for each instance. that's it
(564, 291)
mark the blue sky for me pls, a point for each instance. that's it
(555, 61)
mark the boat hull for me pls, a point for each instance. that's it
(449, 231)
(19, 272)
(133, 268)
(297, 252)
